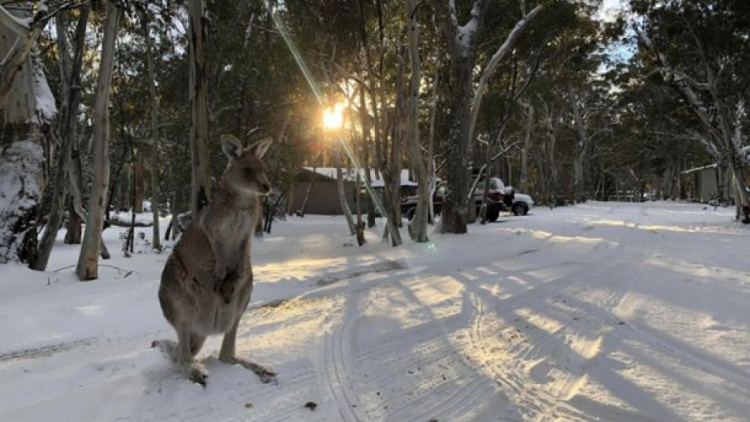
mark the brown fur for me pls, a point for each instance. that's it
(207, 281)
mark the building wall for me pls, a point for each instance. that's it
(707, 184)
(324, 199)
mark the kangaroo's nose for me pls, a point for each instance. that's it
(265, 187)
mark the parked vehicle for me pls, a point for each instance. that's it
(500, 198)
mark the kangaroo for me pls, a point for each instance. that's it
(207, 281)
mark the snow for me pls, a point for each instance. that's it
(45, 100)
(610, 10)
(141, 219)
(693, 170)
(603, 311)
(19, 190)
(465, 33)
(351, 175)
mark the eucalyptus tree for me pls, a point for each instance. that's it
(462, 29)
(28, 109)
(71, 63)
(700, 50)
(87, 268)
(200, 192)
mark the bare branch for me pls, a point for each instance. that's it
(489, 70)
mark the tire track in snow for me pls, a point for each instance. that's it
(459, 403)
(555, 347)
(448, 386)
(334, 366)
(458, 391)
(508, 368)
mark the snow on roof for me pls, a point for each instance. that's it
(693, 170)
(350, 175)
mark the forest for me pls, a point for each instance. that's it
(119, 105)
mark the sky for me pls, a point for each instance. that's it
(608, 12)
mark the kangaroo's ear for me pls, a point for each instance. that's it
(231, 146)
(261, 147)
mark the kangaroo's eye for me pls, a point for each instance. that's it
(248, 172)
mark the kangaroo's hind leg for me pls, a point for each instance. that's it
(227, 353)
(187, 347)
(182, 352)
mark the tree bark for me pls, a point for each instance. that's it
(392, 169)
(156, 240)
(342, 196)
(418, 226)
(15, 55)
(310, 187)
(524, 172)
(88, 259)
(581, 148)
(139, 181)
(200, 192)
(365, 122)
(432, 170)
(550, 122)
(73, 228)
(72, 89)
(76, 215)
(360, 223)
(463, 44)
(25, 118)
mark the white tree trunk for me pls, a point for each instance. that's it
(88, 259)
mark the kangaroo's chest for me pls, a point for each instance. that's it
(233, 231)
(236, 228)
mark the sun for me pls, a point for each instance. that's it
(333, 118)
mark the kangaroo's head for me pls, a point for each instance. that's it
(246, 172)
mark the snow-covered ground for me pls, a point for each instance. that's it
(617, 312)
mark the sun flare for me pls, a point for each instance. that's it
(333, 117)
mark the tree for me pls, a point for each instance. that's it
(28, 108)
(418, 226)
(700, 50)
(465, 102)
(71, 74)
(462, 44)
(88, 259)
(156, 241)
(201, 169)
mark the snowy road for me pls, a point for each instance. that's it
(611, 312)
